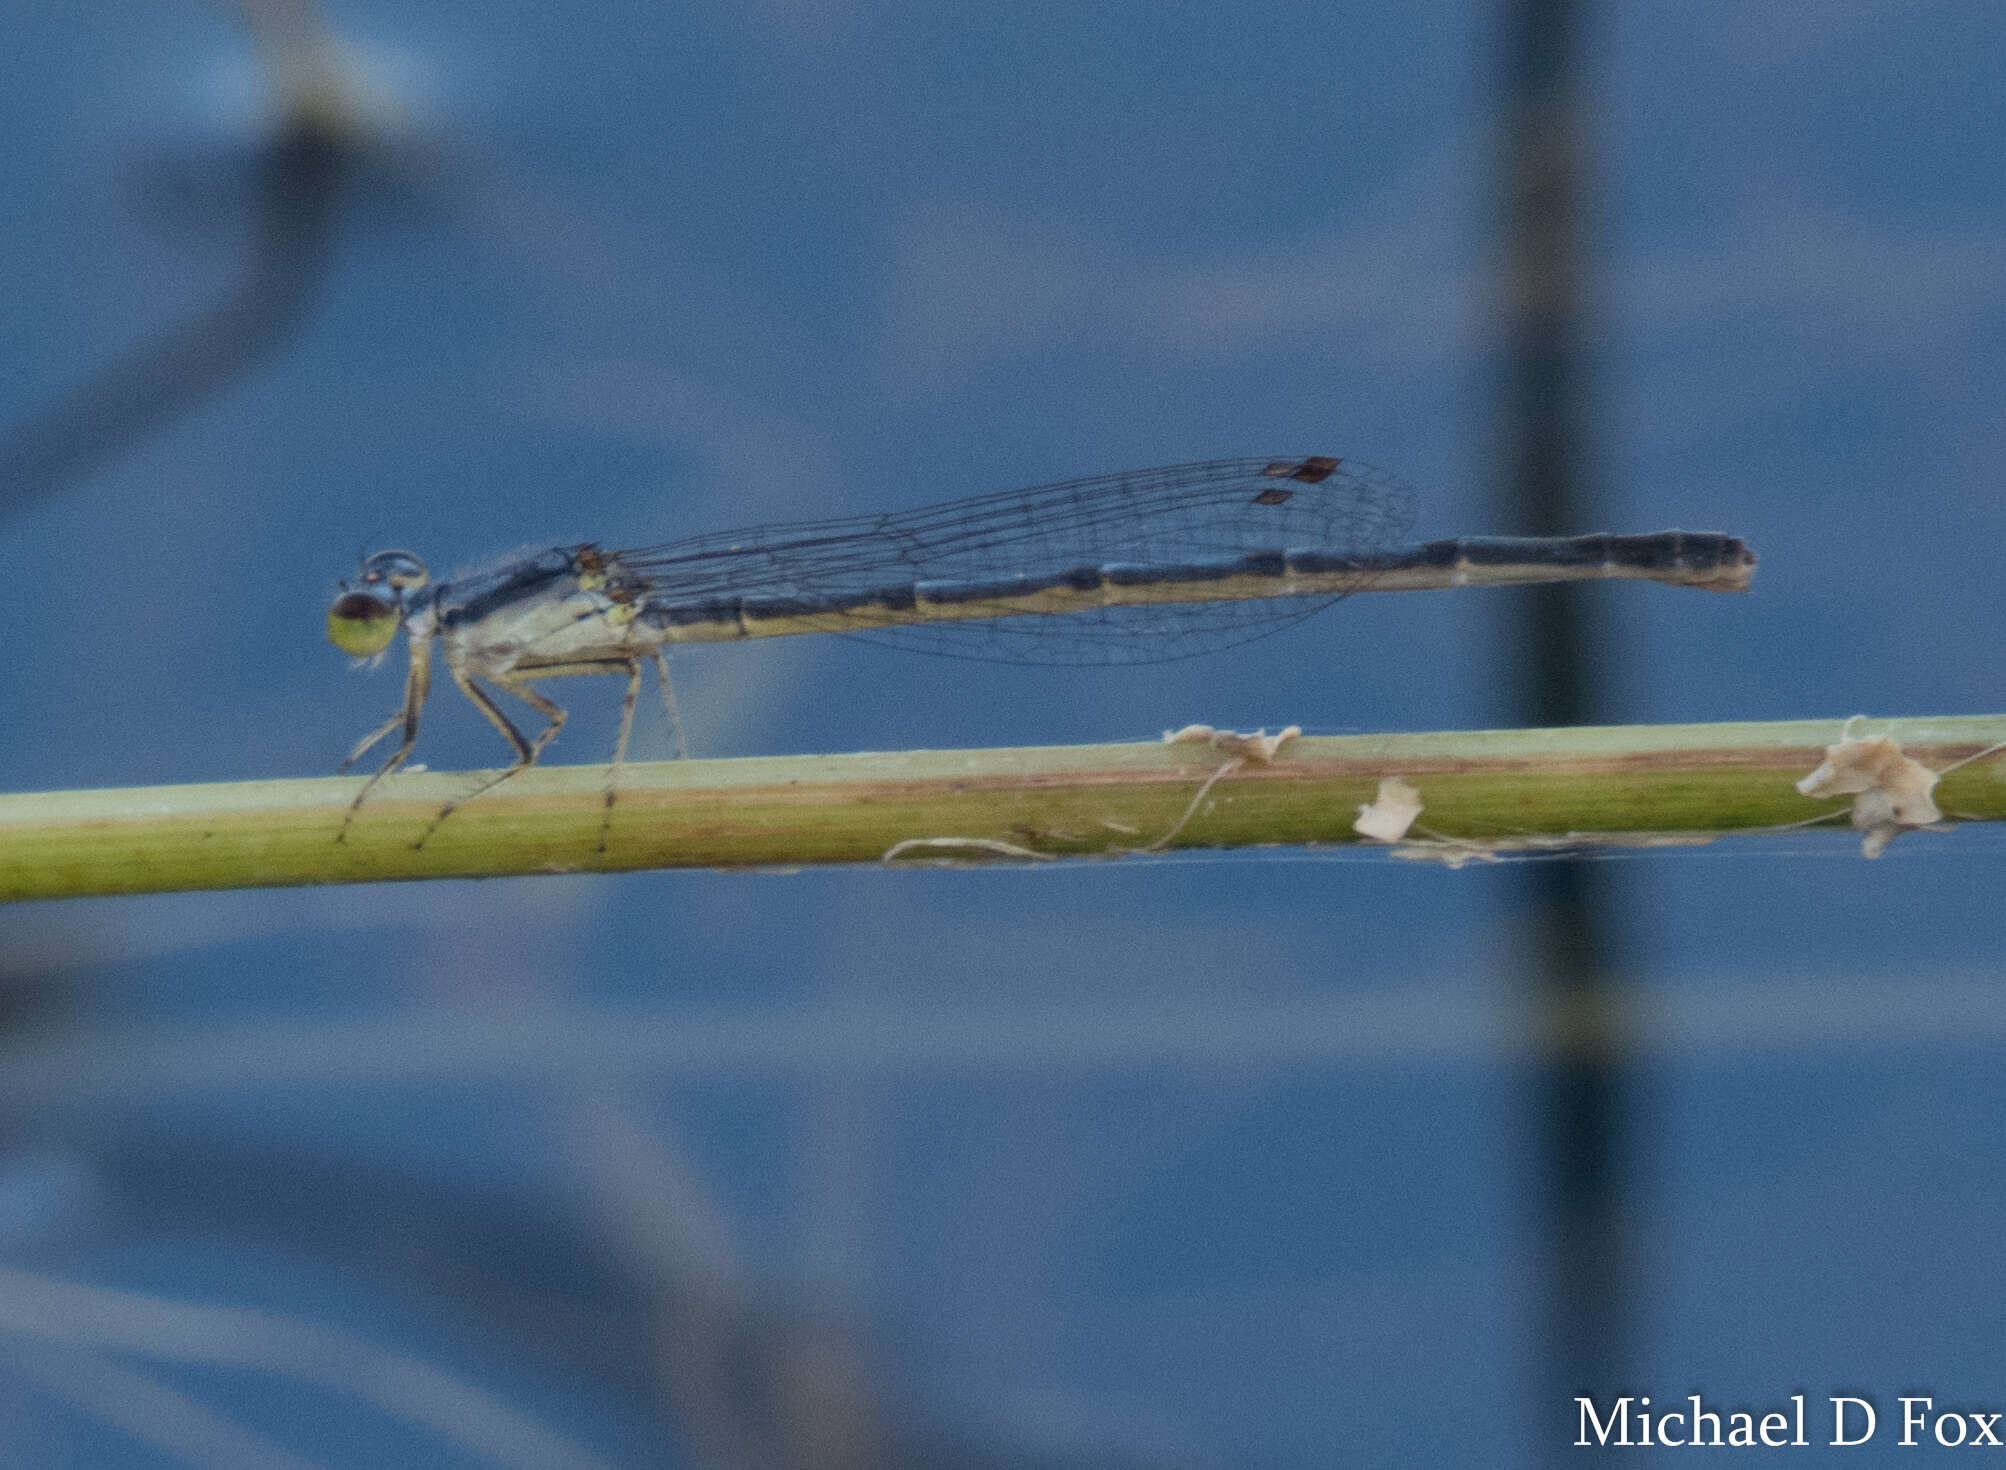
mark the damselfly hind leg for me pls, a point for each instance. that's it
(633, 671)
(681, 746)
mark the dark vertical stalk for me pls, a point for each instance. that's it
(1579, 1089)
(299, 178)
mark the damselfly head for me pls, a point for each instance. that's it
(364, 618)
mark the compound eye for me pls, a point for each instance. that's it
(363, 623)
(399, 569)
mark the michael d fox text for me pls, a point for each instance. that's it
(1843, 1420)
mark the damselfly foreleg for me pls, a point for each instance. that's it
(417, 684)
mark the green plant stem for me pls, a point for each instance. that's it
(1503, 787)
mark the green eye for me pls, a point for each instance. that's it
(361, 624)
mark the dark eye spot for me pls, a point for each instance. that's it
(360, 607)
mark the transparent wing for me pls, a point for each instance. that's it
(1167, 518)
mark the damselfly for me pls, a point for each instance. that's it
(1155, 564)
